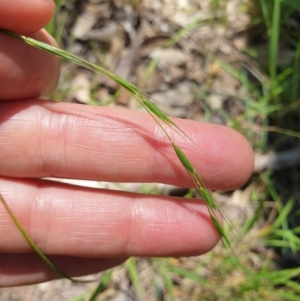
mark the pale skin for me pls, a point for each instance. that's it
(86, 230)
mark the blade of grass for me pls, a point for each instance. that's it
(293, 4)
(296, 74)
(274, 38)
(52, 28)
(283, 213)
(102, 285)
(169, 285)
(34, 246)
(133, 275)
(273, 26)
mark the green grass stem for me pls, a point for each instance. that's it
(34, 246)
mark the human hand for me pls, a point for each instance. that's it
(84, 230)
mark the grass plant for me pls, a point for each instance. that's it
(159, 117)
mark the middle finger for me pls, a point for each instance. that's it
(42, 139)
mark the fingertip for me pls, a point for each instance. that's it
(31, 70)
(248, 159)
(224, 158)
(237, 157)
(24, 16)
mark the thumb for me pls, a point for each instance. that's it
(25, 16)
